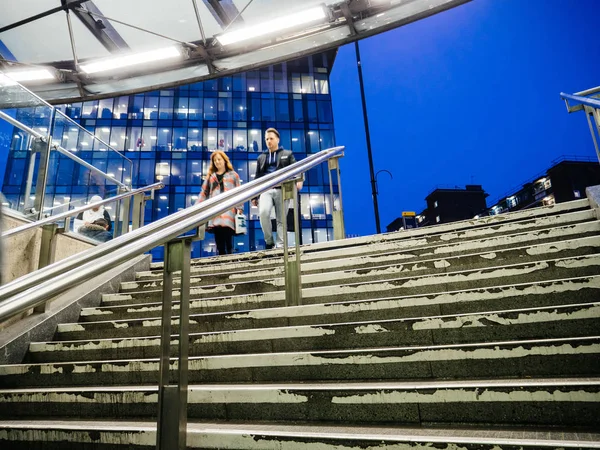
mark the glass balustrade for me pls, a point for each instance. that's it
(56, 164)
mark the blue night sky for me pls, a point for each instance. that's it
(469, 96)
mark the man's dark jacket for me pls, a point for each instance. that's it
(283, 157)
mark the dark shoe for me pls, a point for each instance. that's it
(269, 246)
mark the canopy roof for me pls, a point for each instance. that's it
(66, 35)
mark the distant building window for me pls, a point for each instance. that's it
(435, 205)
(576, 194)
(437, 219)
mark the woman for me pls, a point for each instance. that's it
(220, 178)
(90, 215)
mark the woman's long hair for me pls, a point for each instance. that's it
(213, 168)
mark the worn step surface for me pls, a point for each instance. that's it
(525, 358)
(571, 212)
(407, 249)
(104, 435)
(511, 296)
(375, 265)
(530, 323)
(227, 297)
(534, 402)
(476, 332)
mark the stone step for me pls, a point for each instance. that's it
(379, 266)
(537, 217)
(566, 357)
(253, 295)
(530, 323)
(510, 296)
(407, 250)
(536, 402)
(140, 435)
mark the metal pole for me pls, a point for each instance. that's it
(368, 137)
(589, 114)
(184, 340)
(122, 215)
(137, 215)
(337, 214)
(172, 399)
(29, 183)
(293, 281)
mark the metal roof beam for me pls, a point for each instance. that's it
(224, 11)
(63, 7)
(102, 30)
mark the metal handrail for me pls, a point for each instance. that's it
(62, 150)
(587, 101)
(34, 289)
(72, 212)
(588, 91)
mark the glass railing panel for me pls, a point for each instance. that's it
(79, 165)
(19, 106)
(94, 149)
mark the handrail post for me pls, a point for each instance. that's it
(29, 183)
(47, 250)
(122, 214)
(43, 148)
(172, 399)
(293, 281)
(337, 210)
(595, 114)
(47, 246)
(137, 214)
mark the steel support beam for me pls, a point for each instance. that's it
(72, 4)
(102, 30)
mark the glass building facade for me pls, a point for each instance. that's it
(169, 134)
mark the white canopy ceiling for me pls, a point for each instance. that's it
(64, 35)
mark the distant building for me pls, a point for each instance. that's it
(566, 180)
(449, 205)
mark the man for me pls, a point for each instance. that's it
(276, 158)
(97, 230)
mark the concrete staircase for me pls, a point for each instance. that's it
(473, 335)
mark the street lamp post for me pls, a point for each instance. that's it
(368, 138)
(378, 172)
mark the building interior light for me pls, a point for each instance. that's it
(282, 23)
(30, 75)
(131, 60)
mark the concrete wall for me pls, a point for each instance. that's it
(20, 253)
